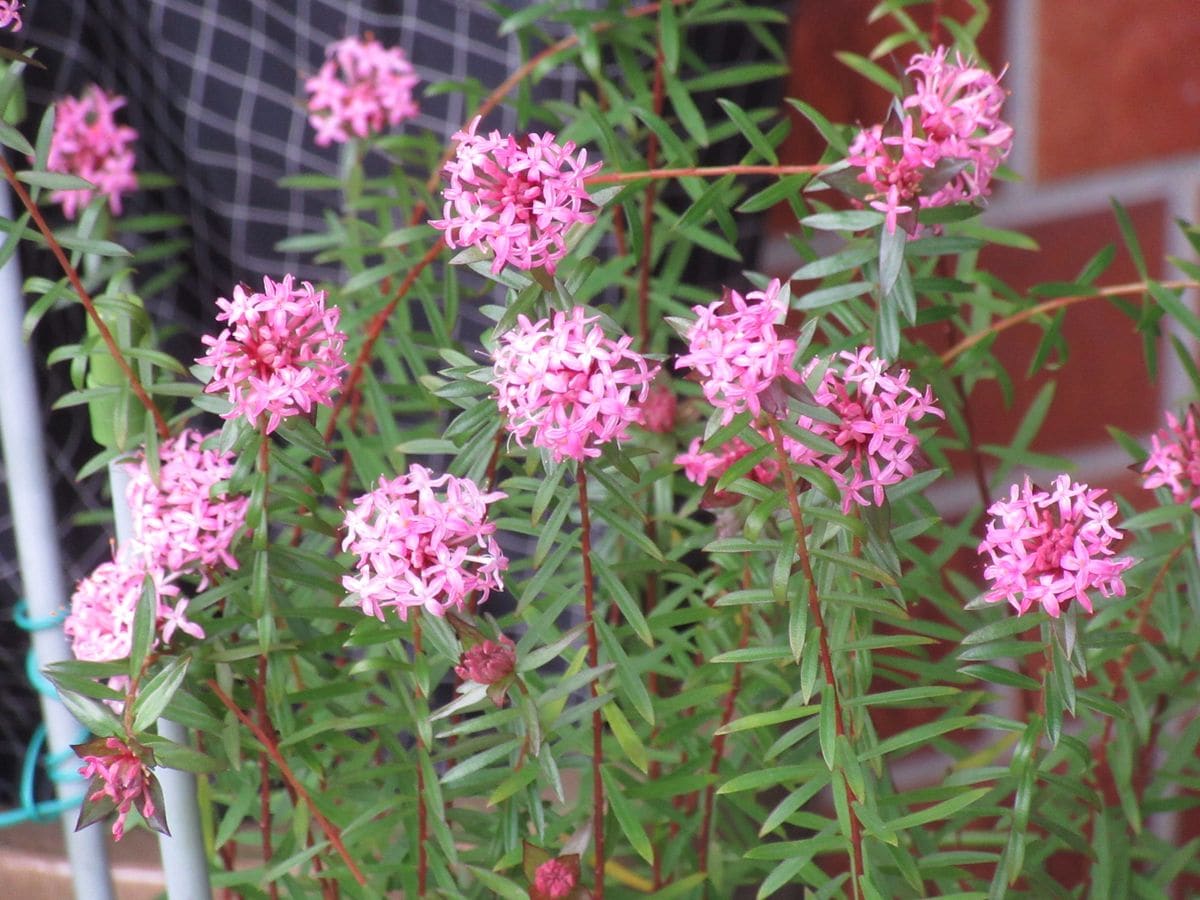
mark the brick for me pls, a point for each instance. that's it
(1117, 83)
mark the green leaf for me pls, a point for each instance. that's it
(145, 626)
(627, 819)
(749, 130)
(92, 715)
(626, 737)
(55, 181)
(764, 778)
(846, 220)
(154, 696)
(827, 731)
(938, 811)
(625, 601)
(628, 681)
(10, 137)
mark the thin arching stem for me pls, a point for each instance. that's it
(589, 615)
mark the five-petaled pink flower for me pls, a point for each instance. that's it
(1052, 547)
(120, 781)
(876, 410)
(87, 142)
(10, 14)
(179, 524)
(422, 542)
(570, 385)
(957, 108)
(279, 354)
(518, 197)
(488, 662)
(555, 879)
(736, 349)
(362, 87)
(103, 606)
(1174, 460)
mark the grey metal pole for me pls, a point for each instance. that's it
(185, 865)
(37, 553)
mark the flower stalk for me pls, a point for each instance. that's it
(589, 616)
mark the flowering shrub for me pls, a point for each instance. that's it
(716, 634)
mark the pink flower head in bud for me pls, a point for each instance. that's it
(10, 14)
(1174, 460)
(517, 196)
(422, 542)
(280, 352)
(569, 384)
(699, 467)
(555, 879)
(488, 662)
(658, 411)
(737, 351)
(100, 624)
(119, 779)
(178, 523)
(877, 410)
(893, 167)
(87, 142)
(362, 87)
(1052, 547)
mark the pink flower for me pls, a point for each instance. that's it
(518, 197)
(121, 779)
(178, 523)
(1052, 547)
(658, 411)
(280, 353)
(876, 412)
(1174, 460)
(957, 108)
(569, 384)
(735, 348)
(555, 879)
(362, 87)
(10, 14)
(100, 624)
(422, 542)
(699, 467)
(88, 143)
(488, 662)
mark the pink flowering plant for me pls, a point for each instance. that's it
(522, 558)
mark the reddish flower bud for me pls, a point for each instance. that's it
(658, 412)
(555, 879)
(489, 662)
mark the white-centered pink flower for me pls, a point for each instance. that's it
(518, 197)
(362, 88)
(1174, 460)
(736, 349)
(120, 779)
(103, 606)
(422, 542)
(1052, 547)
(280, 354)
(182, 521)
(87, 142)
(877, 410)
(10, 14)
(957, 107)
(566, 383)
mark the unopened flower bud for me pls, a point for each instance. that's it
(489, 662)
(555, 879)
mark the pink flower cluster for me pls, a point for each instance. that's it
(422, 542)
(100, 624)
(1174, 460)
(876, 412)
(570, 385)
(120, 778)
(737, 351)
(280, 352)
(517, 197)
(699, 466)
(1052, 547)
(182, 522)
(87, 142)
(957, 106)
(10, 14)
(362, 87)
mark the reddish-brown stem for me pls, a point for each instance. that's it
(89, 305)
(258, 688)
(700, 172)
(422, 812)
(735, 686)
(268, 742)
(589, 615)
(1116, 290)
(814, 610)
